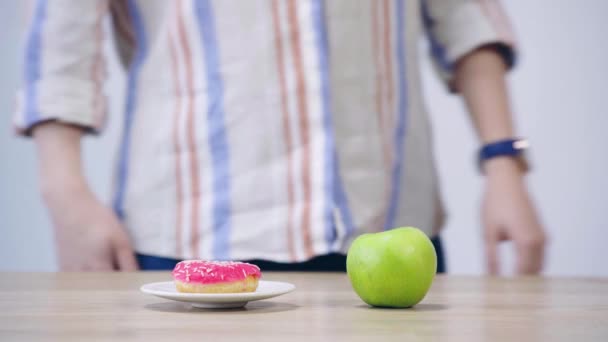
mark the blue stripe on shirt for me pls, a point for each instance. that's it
(33, 51)
(400, 130)
(333, 184)
(437, 50)
(130, 103)
(218, 140)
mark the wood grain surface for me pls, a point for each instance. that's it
(109, 306)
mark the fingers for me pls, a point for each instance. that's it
(491, 246)
(125, 258)
(530, 254)
(97, 267)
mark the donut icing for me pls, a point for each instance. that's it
(213, 272)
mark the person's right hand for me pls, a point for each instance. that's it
(88, 234)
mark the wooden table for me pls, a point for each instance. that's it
(109, 306)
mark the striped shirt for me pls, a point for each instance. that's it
(265, 129)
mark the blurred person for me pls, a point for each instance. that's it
(272, 131)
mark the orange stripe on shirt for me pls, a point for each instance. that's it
(386, 115)
(190, 133)
(97, 67)
(177, 149)
(288, 138)
(378, 63)
(304, 125)
(388, 60)
(376, 49)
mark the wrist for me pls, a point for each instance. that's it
(58, 190)
(511, 152)
(503, 167)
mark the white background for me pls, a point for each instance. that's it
(560, 98)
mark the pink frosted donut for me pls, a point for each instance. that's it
(199, 276)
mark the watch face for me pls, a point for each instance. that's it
(521, 144)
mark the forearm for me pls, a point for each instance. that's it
(480, 78)
(89, 236)
(59, 160)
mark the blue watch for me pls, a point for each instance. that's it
(515, 148)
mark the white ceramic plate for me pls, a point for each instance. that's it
(265, 290)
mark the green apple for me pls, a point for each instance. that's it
(394, 268)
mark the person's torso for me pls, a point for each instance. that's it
(271, 129)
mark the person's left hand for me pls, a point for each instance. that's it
(508, 214)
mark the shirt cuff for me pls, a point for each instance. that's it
(468, 28)
(71, 102)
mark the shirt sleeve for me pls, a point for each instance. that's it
(63, 66)
(456, 27)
